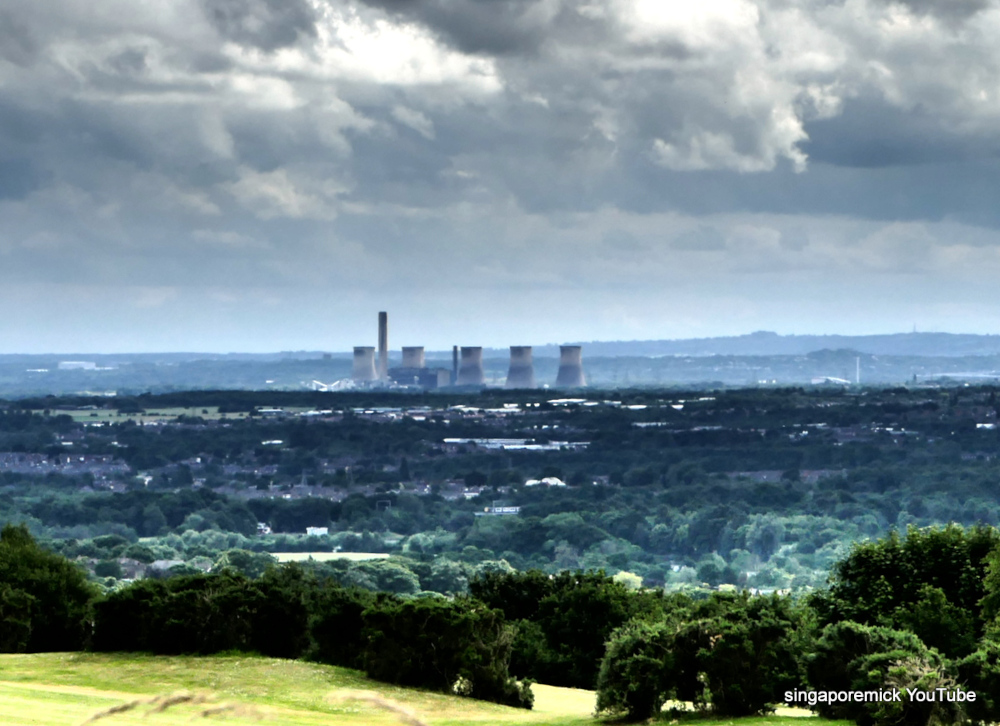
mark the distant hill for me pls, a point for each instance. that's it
(768, 343)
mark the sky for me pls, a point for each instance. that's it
(263, 175)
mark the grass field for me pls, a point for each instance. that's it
(150, 416)
(70, 689)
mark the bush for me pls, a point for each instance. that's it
(854, 657)
(980, 672)
(44, 598)
(573, 615)
(449, 646)
(633, 678)
(336, 625)
(205, 614)
(763, 631)
(703, 655)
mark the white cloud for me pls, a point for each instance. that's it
(276, 194)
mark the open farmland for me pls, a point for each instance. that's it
(60, 689)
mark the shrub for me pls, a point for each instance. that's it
(764, 632)
(44, 598)
(980, 672)
(205, 614)
(440, 644)
(854, 657)
(633, 678)
(702, 655)
(336, 625)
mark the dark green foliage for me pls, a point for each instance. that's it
(930, 581)
(460, 645)
(281, 623)
(633, 679)
(384, 576)
(15, 619)
(251, 564)
(767, 632)
(140, 553)
(145, 512)
(575, 613)
(991, 586)
(336, 625)
(108, 568)
(733, 653)
(980, 672)
(854, 657)
(205, 614)
(44, 598)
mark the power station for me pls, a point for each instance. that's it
(521, 373)
(470, 367)
(570, 367)
(364, 364)
(466, 366)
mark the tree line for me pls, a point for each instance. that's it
(919, 610)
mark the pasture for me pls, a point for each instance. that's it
(71, 689)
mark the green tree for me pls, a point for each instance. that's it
(336, 624)
(853, 657)
(633, 679)
(46, 597)
(980, 672)
(447, 646)
(930, 580)
(251, 564)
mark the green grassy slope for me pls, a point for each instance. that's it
(67, 689)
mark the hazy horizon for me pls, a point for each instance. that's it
(544, 348)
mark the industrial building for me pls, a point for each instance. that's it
(570, 373)
(466, 370)
(521, 373)
(364, 365)
(470, 367)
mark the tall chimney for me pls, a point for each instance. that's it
(383, 346)
(364, 364)
(470, 371)
(413, 357)
(454, 364)
(521, 373)
(570, 367)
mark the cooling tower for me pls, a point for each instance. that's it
(570, 367)
(413, 357)
(470, 369)
(521, 373)
(383, 346)
(364, 364)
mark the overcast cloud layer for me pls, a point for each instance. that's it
(267, 174)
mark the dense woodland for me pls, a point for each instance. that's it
(755, 488)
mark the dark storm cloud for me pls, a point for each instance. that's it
(264, 24)
(953, 10)
(872, 133)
